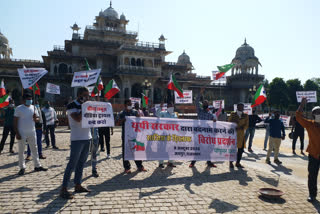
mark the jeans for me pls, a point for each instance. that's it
(266, 137)
(126, 163)
(104, 132)
(31, 140)
(250, 131)
(39, 141)
(78, 155)
(274, 145)
(313, 169)
(94, 149)
(295, 138)
(5, 134)
(50, 128)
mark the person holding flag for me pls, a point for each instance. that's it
(97, 88)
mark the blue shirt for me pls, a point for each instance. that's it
(165, 114)
(204, 114)
(276, 127)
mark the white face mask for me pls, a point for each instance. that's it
(317, 118)
(129, 107)
(239, 113)
(170, 110)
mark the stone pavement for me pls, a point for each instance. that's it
(178, 190)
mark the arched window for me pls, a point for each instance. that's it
(142, 63)
(133, 62)
(63, 68)
(138, 62)
(126, 61)
(70, 69)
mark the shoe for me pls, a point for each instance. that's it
(277, 162)
(80, 189)
(142, 169)
(231, 165)
(302, 153)
(211, 165)
(42, 157)
(127, 171)
(21, 172)
(11, 151)
(55, 147)
(294, 152)
(47, 146)
(65, 194)
(28, 158)
(108, 157)
(268, 162)
(102, 150)
(239, 165)
(171, 165)
(95, 173)
(311, 199)
(250, 150)
(161, 166)
(38, 169)
(264, 149)
(191, 165)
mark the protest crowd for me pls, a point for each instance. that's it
(150, 132)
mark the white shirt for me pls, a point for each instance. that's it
(26, 125)
(77, 132)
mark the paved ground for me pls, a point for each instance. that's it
(178, 190)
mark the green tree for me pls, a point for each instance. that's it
(293, 85)
(312, 85)
(278, 93)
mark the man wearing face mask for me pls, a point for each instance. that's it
(25, 117)
(121, 118)
(8, 126)
(242, 121)
(204, 113)
(169, 113)
(313, 129)
(276, 127)
(80, 143)
(50, 124)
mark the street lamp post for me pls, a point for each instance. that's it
(252, 92)
(146, 87)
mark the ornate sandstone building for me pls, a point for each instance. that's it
(134, 65)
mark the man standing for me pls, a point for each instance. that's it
(204, 114)
(80, 143)
(313, 129)
(8, 126)
(50, 124)
(137, 108)
(253, 120)
(169, 113)
(25, 117)
(223, 116)
(276, 127)
(104, 135)
(298, 131)
(121, 118)
(242, 121)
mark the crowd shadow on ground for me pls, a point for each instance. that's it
(222, 206)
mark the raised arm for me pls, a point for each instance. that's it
(299, 116)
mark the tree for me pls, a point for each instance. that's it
(278, 93)
(293, 85)
(312, 85)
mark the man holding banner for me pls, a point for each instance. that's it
(204, 113)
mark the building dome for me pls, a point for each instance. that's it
(245, 51)
(122, 17)
(3, 39)
(184, 59)
(110, 13)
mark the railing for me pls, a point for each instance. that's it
(110, 29)
(22, 60)
(138, 70)
(58, 48)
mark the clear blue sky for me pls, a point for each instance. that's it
(284, 33)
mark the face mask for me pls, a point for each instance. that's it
(239, 113)
(28, 102)
(129, 107)
(37, 105)
(272, 115)
(317, 118)
(170, 110)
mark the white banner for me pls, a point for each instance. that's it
(216, 104)
(85, 78)
(285, 119)
(53, 89)
(247, 108)
(149, 138)
(135, 100)
(182, 100)
(30, 76)
(310, 95)
(97, 114)
(222, 79)
(164, 107)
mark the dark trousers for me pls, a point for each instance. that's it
(239, 154)
(194, 162)
(295, 138)
(104, 132)
(126, 163)
(50, 128)
(250, 133)
(39, 143)
(5, 134)
(313, 169)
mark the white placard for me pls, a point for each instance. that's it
(310, 95)
(149, 138)
(285, 119)
(187, 97)
(216, 104)
(247, 108)
(164, 107)
(85, 78)
(135, 100)
(52, 88)
(97, 114)
(30, 76)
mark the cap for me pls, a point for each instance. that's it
(316, 108)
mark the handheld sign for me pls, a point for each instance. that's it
(30, 76)
(135, 100)
(216, 104)
(97, 114)
(187, 97)
(52, 89)
(310, 95)
(85, 78)
(247, 108)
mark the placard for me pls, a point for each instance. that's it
(187, 97)
(30, 76)
(246, 109)
(85, 78)
(97, 114)
(52, 88)
(310, 95)
(135, 100)
(216, 104)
